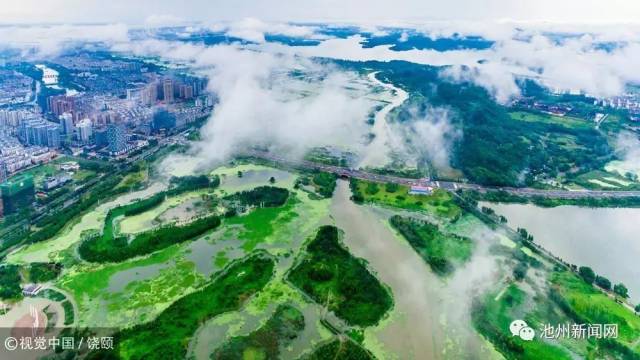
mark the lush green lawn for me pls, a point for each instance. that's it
(595, 307)
(568, 121)
(167, 336)
(261, 223)
(440, 202)
(266, 342)
(330, 275)
(439, 249)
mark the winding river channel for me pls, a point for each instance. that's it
(376, 153)
(429, 314)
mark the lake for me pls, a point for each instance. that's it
(606, 239)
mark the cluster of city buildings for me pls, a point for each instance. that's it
(117, 106)
(557, 109)
(629, 101)
(15, 88)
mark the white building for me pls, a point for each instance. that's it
(84, 130)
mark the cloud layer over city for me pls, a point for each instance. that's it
(565, 57)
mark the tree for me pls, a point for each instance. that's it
(637, 308)
(603, 282)
(520, 271)
(621, 290)
(587, 274)
(272, 180)
(239, 174)
(391, 187)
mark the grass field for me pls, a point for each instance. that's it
(439, 203)
(568, 121)
(140, 300)
(491, 317)
(598, 179)
(594, 307)
(260, 224)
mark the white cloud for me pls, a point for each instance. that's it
(628, 150)
(575, 63)
(260, 103)
(254, 30)
(158, 20)
(48, 40)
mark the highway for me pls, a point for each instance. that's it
(446, 185)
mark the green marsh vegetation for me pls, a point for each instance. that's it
(260, 223)
(168, 335)
(106, 247)
(324, 183)
(10, 282)
(263, 196)
(331, 276)
(586, 304)
(491, 316)
(267, 341)
(339, 349)
(567, 298)
(42, 272)
(439, 249)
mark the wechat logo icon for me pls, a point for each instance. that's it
(521, 329)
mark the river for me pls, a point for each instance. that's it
(376, 153)
(603, 238)
(429, 314)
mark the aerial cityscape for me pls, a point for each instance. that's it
(273, 180)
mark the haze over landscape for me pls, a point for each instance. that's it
(361, 180)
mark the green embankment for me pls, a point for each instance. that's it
(168, 335)
(440, 250)
(266, 342)
(330, 275)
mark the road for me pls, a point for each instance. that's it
(446, 185)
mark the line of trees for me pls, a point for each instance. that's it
(119, 249)
(265, 196)
(589, 276)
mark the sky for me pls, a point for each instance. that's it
(373, 11)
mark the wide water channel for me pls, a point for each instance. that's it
(430, 314)
(606, 239)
